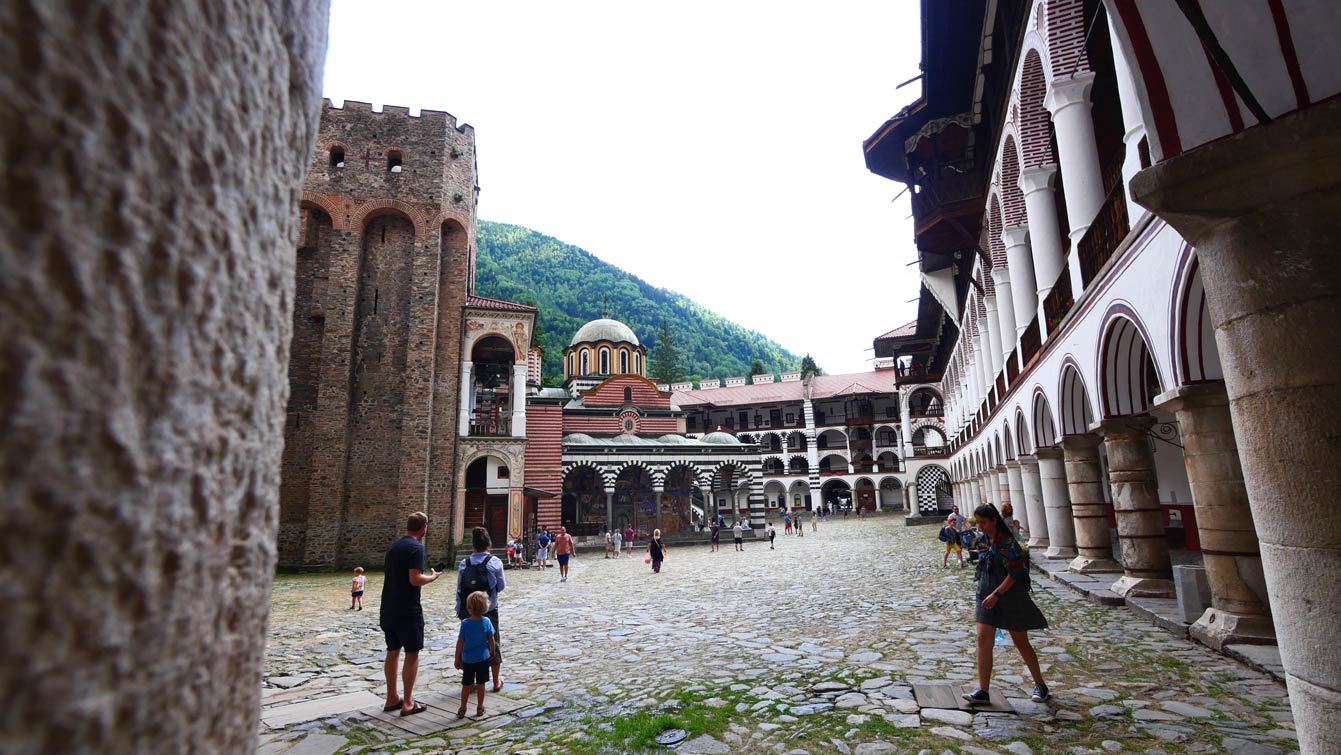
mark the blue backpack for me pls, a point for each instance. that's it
(947, 534)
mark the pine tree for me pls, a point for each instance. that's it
(756, 368)
(663, 361)
(808, 367)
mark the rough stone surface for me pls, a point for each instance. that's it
(153, 160)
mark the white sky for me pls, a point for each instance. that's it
(712, 148)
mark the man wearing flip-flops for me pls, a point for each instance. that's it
(402, 616)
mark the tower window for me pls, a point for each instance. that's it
(605, 361)
(337, 157)
(623, 361)
(628, 395)
(393, 161)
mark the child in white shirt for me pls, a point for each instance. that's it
(356, 590)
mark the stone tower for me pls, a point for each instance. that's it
(385, 260)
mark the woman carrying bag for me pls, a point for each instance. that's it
(656, 551)
(1003, 601)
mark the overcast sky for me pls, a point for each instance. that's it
(712, 148)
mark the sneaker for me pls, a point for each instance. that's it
(1041, 693)
(977, 696)
(563, 579)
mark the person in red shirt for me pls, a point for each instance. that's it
(563, 549)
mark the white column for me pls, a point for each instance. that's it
(993, 337)
(1015, 483)
(1045, 233)
(905, 422)
(1056, 504)
(519, 400)
(1005, 312)
(1132, 122)
(1023, 287)
(1068, 100)
(467, 398)
(984, 361)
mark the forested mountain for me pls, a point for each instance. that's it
(568, 284)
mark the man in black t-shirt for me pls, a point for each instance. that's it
(402, 617)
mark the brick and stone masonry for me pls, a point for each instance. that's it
(384, 262)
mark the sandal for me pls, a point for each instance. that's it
(461, 712)
(393, 706)
(479, 710)
(416, 708)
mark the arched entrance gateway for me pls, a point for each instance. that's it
(635, 500)
(487, 496)
(491, 399)
(891, 494)
(584, 501)
(836, 494)
(933, 490)
(682, 495)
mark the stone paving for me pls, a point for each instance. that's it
(812, 647)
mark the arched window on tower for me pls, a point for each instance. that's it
(605, 361)
(628, 395)
(623, 361)
(586, 362)
(572, 364)
(393, 161)
(637, 363)
(337, 157)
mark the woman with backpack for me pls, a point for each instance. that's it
(481, 571)
(949, 535)
(656, 551)
(1004, 602)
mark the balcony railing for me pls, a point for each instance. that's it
(1030, 341)
(930, 411)
(1059, 301)
(491, 428)
(1108, 230)
(930, 450)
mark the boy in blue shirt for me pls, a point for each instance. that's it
(474, 648)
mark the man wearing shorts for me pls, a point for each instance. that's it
(402, 616)
(619, 543)
(542, 549)
(739, 533)
(628, 540)
(563, 550)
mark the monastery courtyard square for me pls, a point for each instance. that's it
(812, 647)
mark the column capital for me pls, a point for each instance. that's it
(989, 302)
(1194, 396)
(1028, 460)
(1048, 452)
(1000, 468)
(1124, 428)
(1016, 235)
(1065, 91)
(1038, 178)
(1081, 442)
(1012, 464)
(1001, 274)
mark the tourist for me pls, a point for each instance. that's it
(609, 543)
(402, 616)
(563, 550)
(786, 525)
(949, 534)
(356, 590)
(542, 548)
(481, 572)
(738, 533)
(959, 521)
(1008, 516)
(618, 539)
(800, 526)
(629, 534)
(656, 551)
(1004, 602)
(772, 535)
(475, 648)
(716, 541)
(814, 522)
(512, 552)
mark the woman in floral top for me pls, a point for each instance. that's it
(1004, 602)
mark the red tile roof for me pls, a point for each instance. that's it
(901, 331)
(484, 302)
(823, 386)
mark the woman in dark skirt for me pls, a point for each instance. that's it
(1004, 602)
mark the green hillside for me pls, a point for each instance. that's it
(568, 284)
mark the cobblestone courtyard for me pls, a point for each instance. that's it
(812, 647)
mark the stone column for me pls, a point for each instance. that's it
(609, 508)
(1056, 503)
(1045, 232)
(657, 492)
(149, 214)
(519, 400)
(1031, 487)
(992, 488)
(1260, 208)
(1239, 611)
(1147, 571)
(1002, 486)
(906, 427)
(1084, 482)
(1015, 482)
(984, 358)
(1023, 286)
(994, 357)
(1005, 312)
(467, 399)
(975, 496)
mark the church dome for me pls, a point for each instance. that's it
(580, 439)
(604, 330)
(721, 439)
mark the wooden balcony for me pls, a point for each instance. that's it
(1031, 341)
(501, 427)
(1059, 301)
(1104, 235)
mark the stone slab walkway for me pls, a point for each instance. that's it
(812, 647)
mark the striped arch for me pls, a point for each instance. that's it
(626, 466)
(1012, 199)
(996, 246)
(1064, 25)
(1129, 378)
(998, 454)
(741, 475)
(1008, 446)
(606, 477)
(371, 210)
(1022, 433)
(1045, 429)
(326, 205)
(1074, 406)
(1033, 120)
(1196, 357)
(746, 438)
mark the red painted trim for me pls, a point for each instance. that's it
(1287, 50)
(1156, 91)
